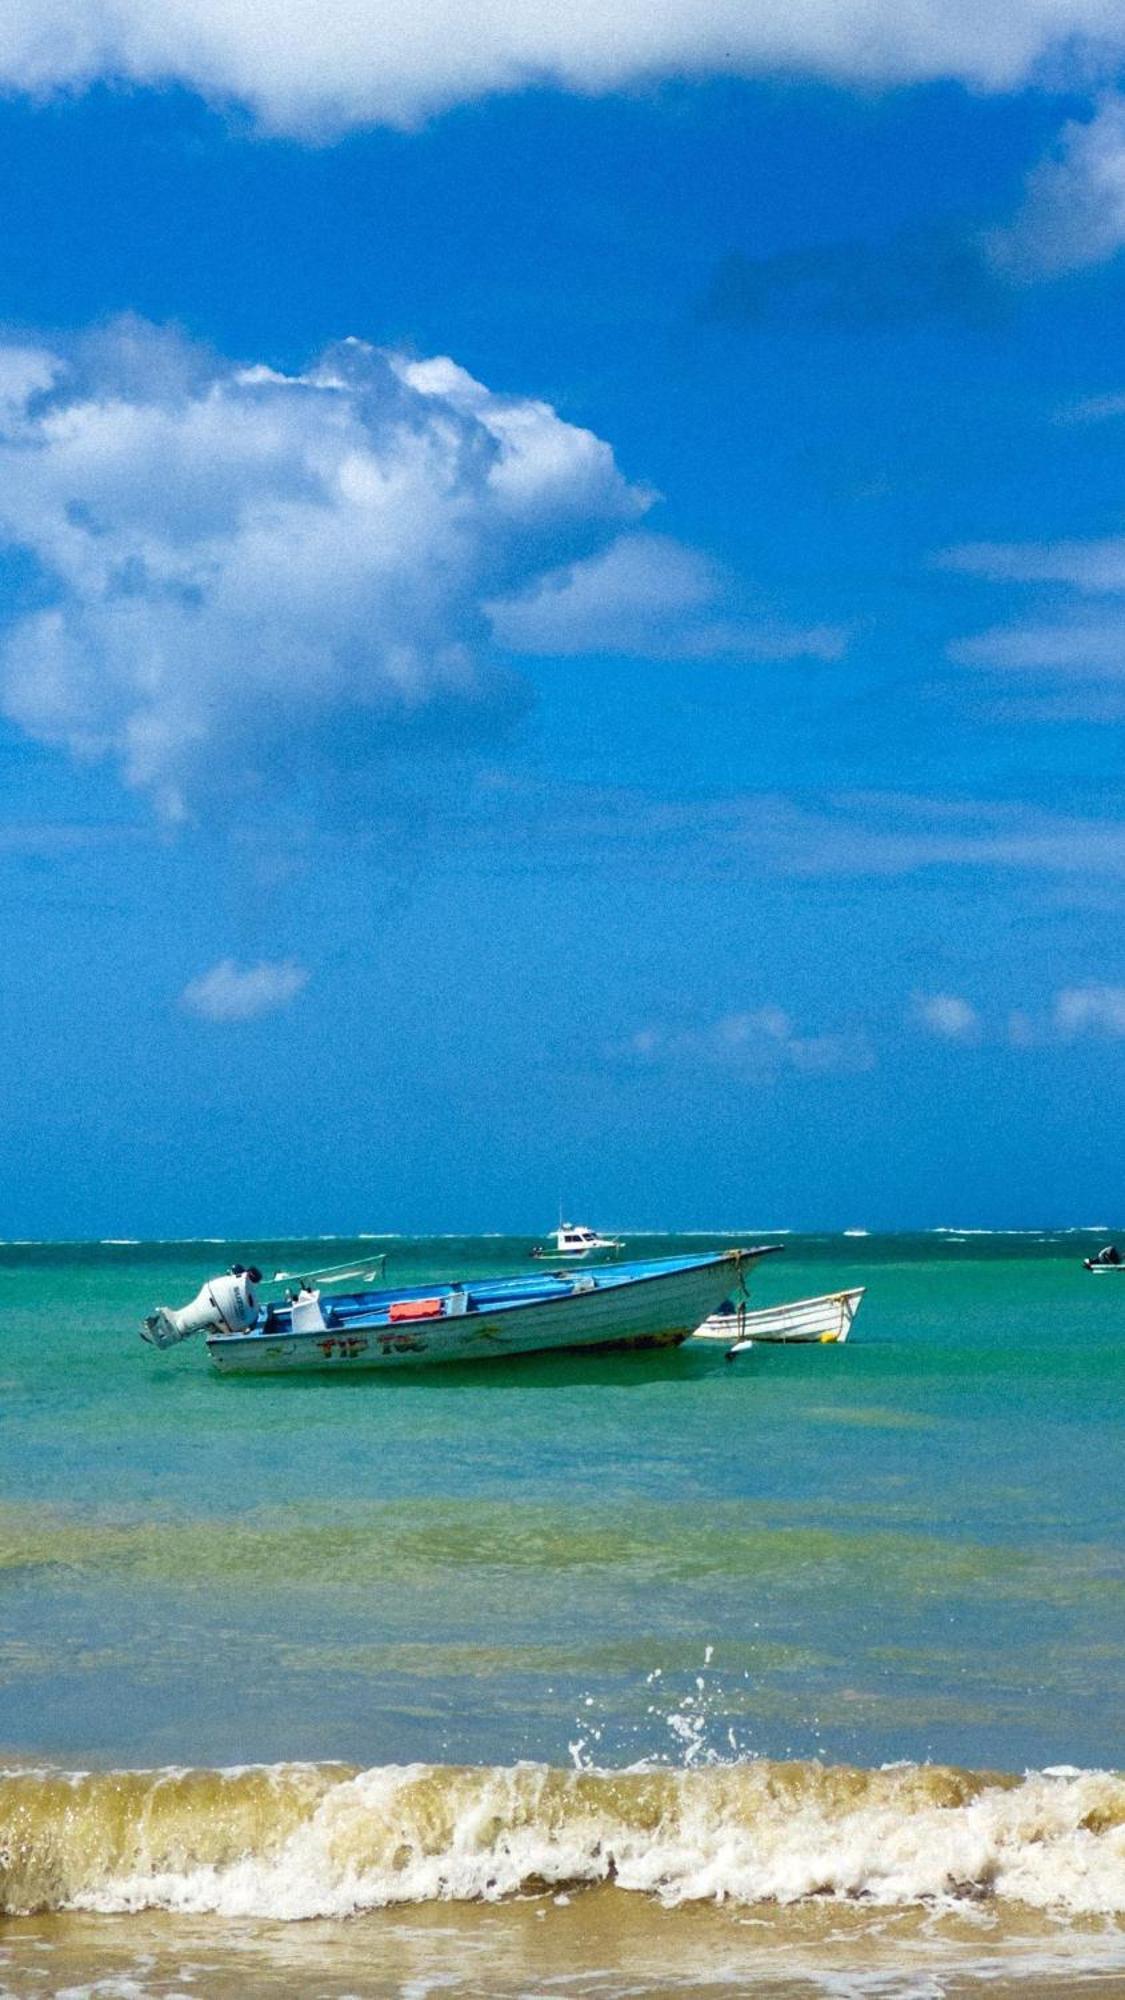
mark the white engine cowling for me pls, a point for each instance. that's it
(223, 1305)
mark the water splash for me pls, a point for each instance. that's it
(297, 1841)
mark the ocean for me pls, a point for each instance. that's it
(633, 1675)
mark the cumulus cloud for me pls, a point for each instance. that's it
(368, 61)
(229, 992)
(755, 1044)
(947, 1016)
(233, 561)
(648, 595)
(1073, 214)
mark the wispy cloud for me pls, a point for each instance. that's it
(859, 833)
(650, 597)
(230, 992)
(379, 64)
(754, 1045)
(44, 839)
(1095, 566)
(1086, 646)
(1081, 633)
(1092, 409)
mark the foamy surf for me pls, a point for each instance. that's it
(301, 1841)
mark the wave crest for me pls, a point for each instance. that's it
(300, 1840)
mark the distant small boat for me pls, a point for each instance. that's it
(1109, 1259)
(654, 1304)
(572, 1239)
(824, 1319)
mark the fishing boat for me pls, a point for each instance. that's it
(1109, 1259)
(824, 1319)
(573, 1240)
(655, 1304)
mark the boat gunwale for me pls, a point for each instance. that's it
(793, 1305)
(616, 1274)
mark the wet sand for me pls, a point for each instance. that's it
(598, 1944)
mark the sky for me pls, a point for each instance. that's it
(562, 615)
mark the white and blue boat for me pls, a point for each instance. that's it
(573, 1239)
(658, 1303)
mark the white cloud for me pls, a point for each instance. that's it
(755, 1044)
(866, 833)
(1090, 1010)
(233, 560)
(647, 595)
(229, 992)
(603, 604)
(25, 372)
(303, 70)
(1088, 566)
(1083, 633)
(947, 1016)
(1076, 1011)
(1074, 209)
(1086, 646)
(743, 835)
(1093, 409)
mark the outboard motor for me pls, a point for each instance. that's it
(223, 1305)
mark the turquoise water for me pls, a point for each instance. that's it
(906, 1548)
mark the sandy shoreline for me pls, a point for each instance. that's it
(595, 1943)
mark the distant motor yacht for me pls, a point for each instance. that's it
(572, 1239)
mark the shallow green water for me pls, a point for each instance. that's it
(908, 1547)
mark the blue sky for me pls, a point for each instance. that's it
(562, 617)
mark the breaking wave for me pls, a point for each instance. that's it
(293, 1841)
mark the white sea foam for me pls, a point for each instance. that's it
(291, 1842)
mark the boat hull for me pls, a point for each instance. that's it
(800, 1322)
(657, 1307)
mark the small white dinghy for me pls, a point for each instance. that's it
(824, 1320)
